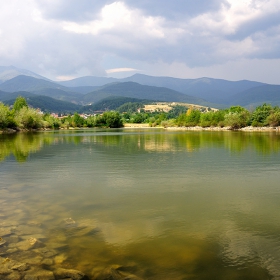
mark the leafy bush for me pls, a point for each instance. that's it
(19, 103)
(237, 120)
(112, 119)
(109, 119)
(259, 116)
(5, 116)
(193, 118)
(28, 118)
(51, 122)
(274, 118)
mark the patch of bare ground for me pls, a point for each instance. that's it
(167, 106)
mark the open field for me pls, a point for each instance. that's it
(167, 106)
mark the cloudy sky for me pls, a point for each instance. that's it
(63, 39)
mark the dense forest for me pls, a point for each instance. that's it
(21, 116)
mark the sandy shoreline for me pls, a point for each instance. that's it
(136, 125)
(247, 129)
(190, 128)
(200, 128)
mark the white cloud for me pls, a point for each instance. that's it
(117, 17)
(65, 37)
(65, 78)
(118, 70)
(232, 16)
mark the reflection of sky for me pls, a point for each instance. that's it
(239, 245)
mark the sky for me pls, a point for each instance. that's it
(65, 39)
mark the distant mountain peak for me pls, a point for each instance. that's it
(88, 81)
(10, 72)
(203, 80)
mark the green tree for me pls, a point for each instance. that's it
(90, 121)
(112, 119)
(236, 109)
(237, 120)
(5, 116)
(28, 118)
(77, 120)
(51, 121)
(212, 118)
(138, 118)
(176, 111)
(274, 118)
(181, 120)
(259, 116)
(193, 118)
(19, 103)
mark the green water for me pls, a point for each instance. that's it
(154, 203)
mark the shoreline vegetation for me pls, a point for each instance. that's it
(20, 118)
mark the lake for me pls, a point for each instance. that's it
(152, 203)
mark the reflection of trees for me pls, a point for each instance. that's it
(260, 142)
(22, 144)
(234, 141)
(263, 143)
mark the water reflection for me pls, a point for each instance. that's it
(19, 145)
(22, 144)
(153, 204)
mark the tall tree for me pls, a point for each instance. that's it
(20, 102)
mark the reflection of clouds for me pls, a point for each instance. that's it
(158, 147)
(119, 180)
(125, 232)
(242, 249)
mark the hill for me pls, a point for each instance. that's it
(215, 91)
(83, 89)
(27, 83)
(47, 104)
(257, 96)
(135, 90)
(212, 90)
(40, 87)
(4, 96)
(60, 94)
(112, 103)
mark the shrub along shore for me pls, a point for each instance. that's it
(23, 118)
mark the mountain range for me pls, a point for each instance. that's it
(88, 90)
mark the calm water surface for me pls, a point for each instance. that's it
(153, 203)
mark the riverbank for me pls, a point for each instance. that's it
(227, 128)
(146, 125)
(200, 128)
(136, 125)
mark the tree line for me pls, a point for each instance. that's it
(234, 117)
(21, 116)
